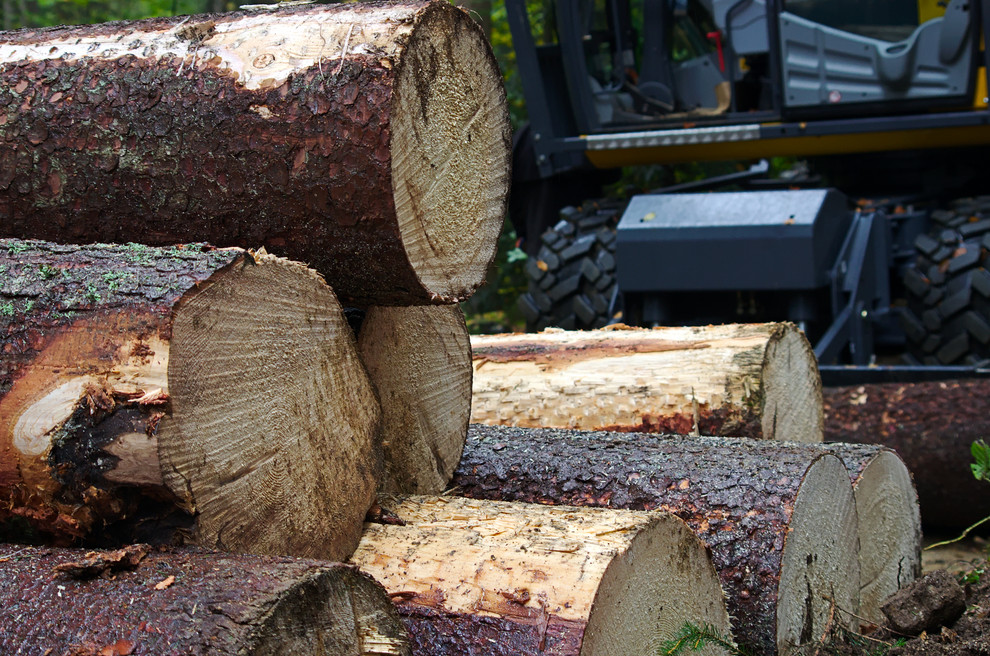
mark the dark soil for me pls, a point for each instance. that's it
(967, 636)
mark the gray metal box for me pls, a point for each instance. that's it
(757, 240)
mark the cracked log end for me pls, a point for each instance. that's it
(889, 520)
(534, 579)
(192, 601)
(792, 387)
(419, 360)
(819, 571)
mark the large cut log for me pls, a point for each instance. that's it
(419, 360)
(758, 380)
(780, 518)
(889, 523)
(474, 578)
(217, 391)
(140, 600)
(930, 425)
(369, 140)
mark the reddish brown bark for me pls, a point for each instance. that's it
(86, 301)
(736, 494)
(168, 149)
(165, 602)
(931, 426)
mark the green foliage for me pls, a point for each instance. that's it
(695, 638)
(7, 309)
(493, 308)
(41, 13)
(981, 472)
(981, 460)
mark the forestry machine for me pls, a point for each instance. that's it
(884, 99)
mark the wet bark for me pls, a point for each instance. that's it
(738, 496)
(931, 426)
(176, 130)
(142, 600)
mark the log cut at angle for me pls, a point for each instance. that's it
(753, 380)
(146, 393)
(189, 602)
(482, 578)
(780, 518)
(370, 140)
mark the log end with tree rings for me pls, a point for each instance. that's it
(819, 570)
(152, 394)
(475, 578)
(450, 152)
(419, 360)
(889, 521)
(792, 387)
(273, 436)
(369, 140)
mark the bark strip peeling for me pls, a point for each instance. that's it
(369, 140)
(160, 394)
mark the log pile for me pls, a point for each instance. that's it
(214, 395)
(475, 578)
(168, 602)
(738, 380)
(368, 140)
(780, 519)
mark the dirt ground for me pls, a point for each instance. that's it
(969, 636)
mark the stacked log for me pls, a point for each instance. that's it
(889, 523)
(419, 360)
(152, 392)
(181, 601)
(931, 425)
(779, 518)
(474, 578)
(756, 381)
(371, 141)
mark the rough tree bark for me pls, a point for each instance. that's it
(218, 387)
(140, 600)
(419, 360)
(475, 578)
(889, 523)
(780, 519)
(738, 380)
(931, 426)
(369, 140)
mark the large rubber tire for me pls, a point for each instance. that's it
(571, 282)
(947, 319)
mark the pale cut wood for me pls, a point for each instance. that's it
(369, 140)
(889, 523)
(172, 602)
(487, 578)
(780, 518)
(148, 393)
(419, 360)
(748, 380)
